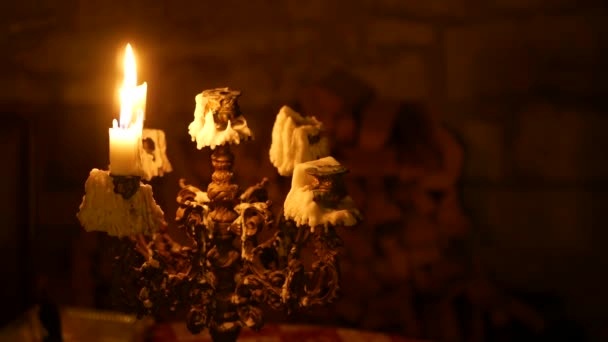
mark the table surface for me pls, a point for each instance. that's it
(278, 333)
(106, 326)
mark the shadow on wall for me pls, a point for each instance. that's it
(15, 206)
(413, 267)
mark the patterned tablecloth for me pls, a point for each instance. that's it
(278, 333)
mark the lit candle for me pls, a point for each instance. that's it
(126, 133)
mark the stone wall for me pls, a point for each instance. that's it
(520, 83)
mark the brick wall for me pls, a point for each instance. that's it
(519, 82)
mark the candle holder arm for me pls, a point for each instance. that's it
(170, 275)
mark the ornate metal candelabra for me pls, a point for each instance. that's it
(224, 275)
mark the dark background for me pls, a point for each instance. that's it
(521, 84)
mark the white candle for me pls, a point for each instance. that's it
(124, 150)
(125, 135)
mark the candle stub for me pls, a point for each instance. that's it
(218, 119)
(296, 139)
(316, 200)
(104, 210)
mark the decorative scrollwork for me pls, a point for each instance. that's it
(325, 270)
(167, 278)
(284, 283)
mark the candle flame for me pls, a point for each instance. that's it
(130, 68)
(132, 97)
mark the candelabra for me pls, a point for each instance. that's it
(224, 275)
